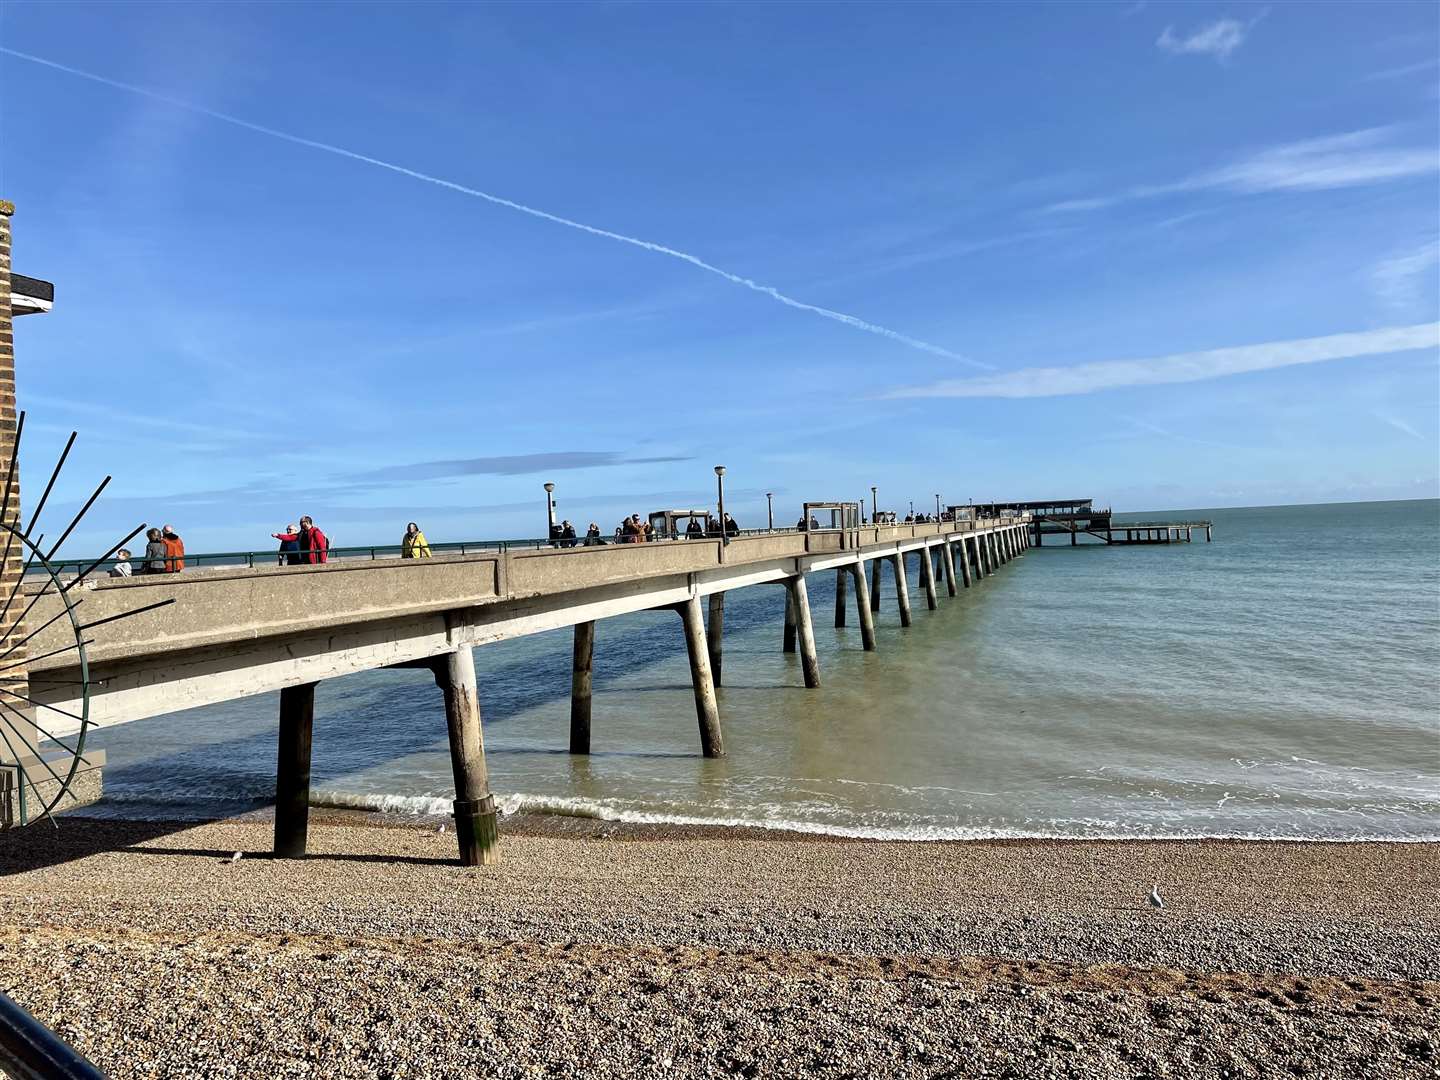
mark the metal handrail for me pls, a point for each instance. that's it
(272, 556)
(31, 1051)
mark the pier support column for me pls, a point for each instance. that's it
(875, 584)
(715, 635)
(994, 546)
(292, 771)
(927, 578)
(964, 554)
(902, 587)
(1039, 536)
(1207, 534)
(862, 607)
(977, 557)
(947, 559)
(707, 709)
(800, 601)
(474, 805)
(1074, 536)
(841, 576)
(580, 672)
(789, 644)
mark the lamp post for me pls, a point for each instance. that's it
(912, 509)
(720, 493)
(770, 509)
(873, 504)
(937, 506)
(550, 508)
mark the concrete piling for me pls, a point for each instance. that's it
(715, 635)
(789, 644)
(580, 687)
(902, 587)
(292, 773)
(875, 583)
(800, 604)
(927, 578)
(862, 607)
(964, 561)
(841, 575)
(707, 709)
(947, 560)
(474, 805)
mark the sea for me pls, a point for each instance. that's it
(1282, 681)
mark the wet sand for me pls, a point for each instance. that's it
(619, 951)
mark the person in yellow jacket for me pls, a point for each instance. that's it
(413, 545)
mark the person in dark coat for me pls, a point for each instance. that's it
(155, 553)
(289, 546)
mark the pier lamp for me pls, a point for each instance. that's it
(912, 508)
(720, 494)
(550, 507)
(770, 509)
(873, 504)
(937, 506)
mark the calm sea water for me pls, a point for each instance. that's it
(1282, 681)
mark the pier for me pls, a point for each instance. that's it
(1076, 517)
(235, 632)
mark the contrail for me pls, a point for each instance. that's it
(659, 249)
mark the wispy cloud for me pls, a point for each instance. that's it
(1218, 39)
(1398, 425)
(1404, 70)
(1332, 161)
(1396, 280)
(512, 465)
(1180, 367)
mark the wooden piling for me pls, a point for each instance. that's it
(707, 709)
(902, 587)
(789, 645)
(842, 575)
(292, 771)
(474, 806)
(927, 578)
(715, 635)
(862, 607)
(875, 584)
(580, 687)
(800, 602)
(964, 561)
(947, 558)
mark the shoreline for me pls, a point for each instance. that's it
(585, 826)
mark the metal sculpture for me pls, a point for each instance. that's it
(41, 765)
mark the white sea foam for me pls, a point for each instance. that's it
(774, 817)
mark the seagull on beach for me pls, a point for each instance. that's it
(1154, 897)
(441, 829)
(235, 858)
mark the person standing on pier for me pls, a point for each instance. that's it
(732, 527)
(592, 535)
(154, 553)
(413, 544)
(289, 546)
(174, 550)
(314, 544)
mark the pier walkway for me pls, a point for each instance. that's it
(237, 631)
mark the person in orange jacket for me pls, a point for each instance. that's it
(174, 550)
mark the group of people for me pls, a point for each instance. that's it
(164, 554)
(304, 545)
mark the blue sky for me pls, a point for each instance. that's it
(994, 205)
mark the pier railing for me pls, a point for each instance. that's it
(270, 557)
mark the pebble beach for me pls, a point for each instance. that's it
(606, 951)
